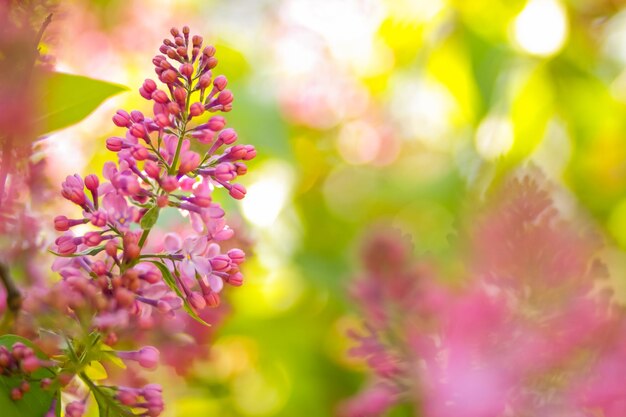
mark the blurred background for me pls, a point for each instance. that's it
(363, 112)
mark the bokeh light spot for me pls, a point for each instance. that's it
(541, 28)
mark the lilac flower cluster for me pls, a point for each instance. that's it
(113, 277)
(525, 333)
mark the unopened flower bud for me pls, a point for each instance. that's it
(209, 50)
(212, 299)
(205, 80)
(196, 109)
(137, 116)
(111, 248)
(241, 168)
(92, 182)
(138, 130)
(160, 96)
(169, 76)
(237, 256)
(31, 364)
(220, 262)
(237, 191)
(114, 144)
(220, 82)
(197, 301)
(92, 238)
(16, 394)
(228, 136)
(187, 70)
(216, 123)
(236, 279)
(173, 108)
(121, 119)
(169, 183)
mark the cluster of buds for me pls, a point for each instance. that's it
(111, 271)
(20, 361)
(149, 398)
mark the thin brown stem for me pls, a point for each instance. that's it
(14, 296)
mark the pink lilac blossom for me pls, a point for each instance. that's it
(114, 281)
(526, 333)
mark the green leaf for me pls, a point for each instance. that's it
(67, 99)
(150, 218)
(87, 252)
(107, 405)
(171, 282)
(35, 402)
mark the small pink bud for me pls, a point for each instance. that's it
(92, 182)
(162, 201)
(138, 130)
(241, 168)
(66, 245)
(99, 218)
(127, 397)
(211, 62)
(236, 279)
(189, 161)
(99, 268)
(30, 364)
(24, 386)
(92, 238)
(169, 183)
(196, 109)
(209, 50)
(225, 98)
(237, 191)
(61, 223)
(220, 82)
(75, 409)
(151, 276)
(228, 136)
(45, 383)
(169, 76)
(137, 116)
(148, 357)
(16, 394)
(173, 108)
(224, 171)
(152, 169)
(114, 144)
(150, 86)
(140, 153)
(143, 93)
(250, 153)
(121, 119)
(236, 152)
(205, 80)
(180, 95)
(186, 70)
(220, 263)
(216, 123)
(212, 299)
(237, 256)
(182, 51)
(160, 96)
(197, 41)
(111, 248)
(197, 301)
(162, 120)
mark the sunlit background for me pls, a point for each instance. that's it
(362, 112)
